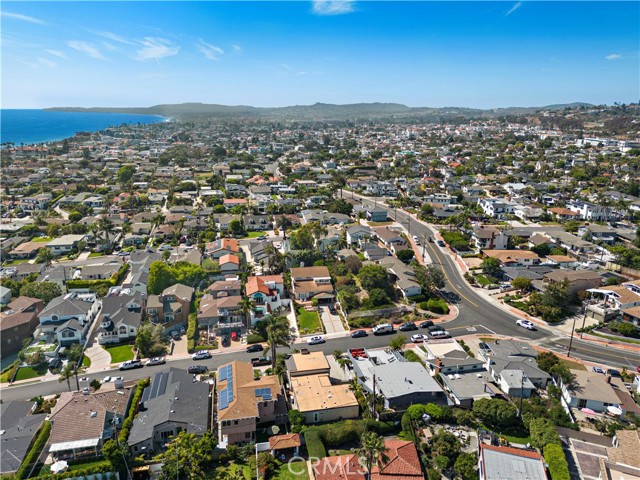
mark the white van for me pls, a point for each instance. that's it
(439, 334)
(382, 329)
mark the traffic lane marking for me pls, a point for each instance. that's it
(579, 348)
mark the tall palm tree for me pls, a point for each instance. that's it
(279, 333)
(74, 354)
(158, 220)
(284, 223)
(372, 450)
(246, 305)
(107, 227)
(66, 374)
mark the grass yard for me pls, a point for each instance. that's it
(41, 239)
(25, 373)
(234, 471)
(16, 262)
(513, 436)
(82, 466)
(293, 471)
(96, 254)
(120, 354)
(86, 362)
(485, 280)
(308, 320)
(379, 224)
(573, 365)
(255, 234)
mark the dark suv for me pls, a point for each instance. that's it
(426, 324)
(197, 369)
(407, 327)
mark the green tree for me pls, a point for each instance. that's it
(75, 217)
(279, 333)
(266, 464)
(543, 432)
(405, 255)
(430, 278)
(490, 266)
(297, 420)
(65, 375)
(161, 276)
(521, 283)
(236, 227)
(546, 361)
(116, 454)
(187, 456)
(107, 227)
(372, 450)
(495, 412)
(46, 256)
(398, 342)
(466, 465)
(247, 304)
(302, 239)
(125, 174)
(374, 276)
(75, 354)
(45, 291)
(378, 297)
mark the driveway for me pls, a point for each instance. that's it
(332, 323)
(100, 358)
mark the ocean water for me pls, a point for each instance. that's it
(36, 126)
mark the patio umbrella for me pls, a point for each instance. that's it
(614, 410)
(588, 411)
(59, 466)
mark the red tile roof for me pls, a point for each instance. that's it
(280, 442)
(255, 285)
(512, 451)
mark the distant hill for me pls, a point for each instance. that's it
(317, 111)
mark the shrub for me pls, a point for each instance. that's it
(192, 332)
(315, 447)
(34, 452)
(437, 305)
(558, 466)
(363, 322)
(254, 338)
(627, 329)
(133, 408)
(543, 432)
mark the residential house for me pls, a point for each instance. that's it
(81, 423)
(376, 214)
(254, 223)
(579, 280)
(590, 211)
(170, 308)
(99, 272)
(401, 383)
(121, 316)
(309, 282)
(223, 288)
(223, 246)
(495, 208)
(19, 428)
(265, 296)
(373, 252)
(65, 244)
(18, 322)
(500, 463)
(357, 233)
(172, 403)
(333, 236)
(598, 392)
(513, 258)
(400, 462)
(562, 261)
(598, 233)
(68, 317)
(223, 313)
(572, 243)
(402, 275)
(26, 250)
(622, 460)
(313, 392)
(392, 240)
(490, 238)
(5, 295)
(229, 263)
(244, 403)
(447, 357)
(559, 213)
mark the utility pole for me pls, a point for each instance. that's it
(573, 327)
(521, 392)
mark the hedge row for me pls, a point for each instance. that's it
(34, 452)
(192, 332)
(115, 278)
(128, 422)
(315, 447)
(436, 305)
(10, 371)
(104, 467)
(254, 338)
(558, 466)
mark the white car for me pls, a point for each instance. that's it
(201, 355)
(156, 361)
(315, 340)
(165, 247)
(416, 239)
(106, 379)
(417, 338)
(526, 324)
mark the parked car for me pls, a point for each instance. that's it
(197, 369)
(417, 338)
(426, 324)
(612, 372)
(175, 334)
(164, 247)
(201, 355)
(226, 340)
(439, 334)
(156, 361)
(131, 364)
(440, 243)
(383, 329)
(408, 327)
(358, 334)
(435, 328)
(333, 310)
(598, 370)
(304, 351)
(315, 340)
(255, 348)
(526, 324)
(260, 361)
(484, 347)
(85, 391)
(106, 379)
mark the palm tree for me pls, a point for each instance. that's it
(157, 220)
(75, 354)
(107, 227)
(279, 333)
(45, 256)
(372, 450)
(247, 305)
(66, 374)
(284, 223)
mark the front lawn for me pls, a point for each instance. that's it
(293, 471)
(85, 465)
(120, 354)
(485, 280)
(41, 239)
(24, 373)
(96, 254)
(86, 362)
(255, 234)
(511, 435)
(308, 320)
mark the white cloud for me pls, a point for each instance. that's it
(56, 53)
(332, 7)
(46, 62)
(86, 48)
(613, 56)
(515, 7)
(115, 37)
(236, 49)
(210, 51)
(155, 48)
(24, 18)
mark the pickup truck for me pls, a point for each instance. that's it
(260, 361)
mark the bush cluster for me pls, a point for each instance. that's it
(315, 447)
(192, 332)
(34, 451)
(254, 338)
(558, 466)
(435, 305)
(128, 422)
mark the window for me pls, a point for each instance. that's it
(235, 422)
(582, 403)
(247, 435)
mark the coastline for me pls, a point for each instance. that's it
(43, 129)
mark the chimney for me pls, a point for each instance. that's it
(438, 365)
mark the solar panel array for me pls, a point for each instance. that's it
(225, 396)
(265, 393)
(225, 372)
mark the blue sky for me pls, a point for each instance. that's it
(478, 54)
